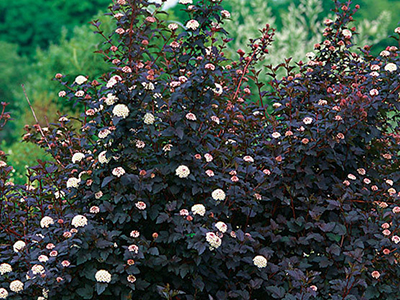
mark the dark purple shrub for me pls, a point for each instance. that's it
(175, 187)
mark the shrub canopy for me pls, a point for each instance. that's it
(176, 187)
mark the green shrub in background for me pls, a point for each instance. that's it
(21, 155)
(303, 25)
(32, 24)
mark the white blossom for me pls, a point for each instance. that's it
(213, 240)
(192, 24)
(16, 286)
(3, 293)
(103, 276)
(148, 119)
(121, 111)
(218, 195)
(5, 268)
(221, 226)
(18, 246)
(79, 221)
(80, 79)
(77, 157)
(260, 261)
(182, 171)
(46, 221)
(198, 209)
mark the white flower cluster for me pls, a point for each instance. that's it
(46, 221)
(221, 226)
(104, 133)
(118, 171)
(113, 81)
(192, 24)
(218, 195)
(16, 286)
(121, 111)
(5, 268)
(198, 209)
(79, 221)
(182, 171)
(391, 67)
(148, 119)
(110, 99)
(103, 276)
(3, 293)
(80, 79)
(260, 261)
(77, 157)
(213, 240)
(103, 159)
(18, 246)
(37, 269)
(73, 182)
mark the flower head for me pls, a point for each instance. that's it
(80, 79)
(118, 171)
(391, 67)
(79, 221)
(213, 240)
(260, 261)
(16, 286)
(3, 293)
(5, 268)
(121, 111)
(182, 171)
(218, 195)
(191, 117)
(198, 209)
(46, 221)
(148, 119)
(103, 276)
(77, 157)
(18, 246)
(73, 182)
(346, 33)
(192, 24)
(221, 226)
(375, 274)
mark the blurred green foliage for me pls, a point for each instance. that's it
(35, 23)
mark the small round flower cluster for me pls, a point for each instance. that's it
(79, 221)
(103, 276)
(110, 99)
(77, 157)
(102, 158)
(16, 286)
(213, 240)
(260, 261)
(80, 79)
(221, 226)
(5, 268)
(148, 118)
(18, 246)
(46, 221)
(37, 269)
(121, 111)
(218, 195)
(182, 171)
(3, 293)
(118, 171)
(198, 209)
(192, 24)
(73, 182)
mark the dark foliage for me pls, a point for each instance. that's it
(174, 187)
